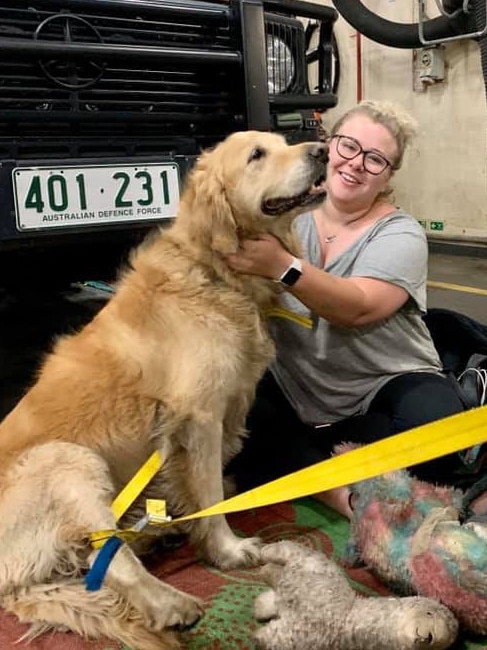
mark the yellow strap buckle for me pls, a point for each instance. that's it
(155, 508)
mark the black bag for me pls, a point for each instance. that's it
(473, 381)
(461, 342)
(457, 337)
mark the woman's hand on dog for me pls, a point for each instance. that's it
(264, 256)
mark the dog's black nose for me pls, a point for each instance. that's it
(319, 150)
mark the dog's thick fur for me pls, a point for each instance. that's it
(170, 363)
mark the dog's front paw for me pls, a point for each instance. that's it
(177, 609)
(236, 553)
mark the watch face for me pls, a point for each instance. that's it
(291, 277)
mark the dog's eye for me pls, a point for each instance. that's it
(256, 154)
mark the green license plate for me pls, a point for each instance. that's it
(94, 195)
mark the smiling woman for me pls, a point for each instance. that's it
(365, 367)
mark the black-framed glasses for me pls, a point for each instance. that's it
(349, 148)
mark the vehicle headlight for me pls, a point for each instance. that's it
(280, 65)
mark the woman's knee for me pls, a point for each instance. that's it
(417, 398)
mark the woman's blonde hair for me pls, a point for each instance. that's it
(394, 118)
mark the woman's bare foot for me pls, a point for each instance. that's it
(337, 499)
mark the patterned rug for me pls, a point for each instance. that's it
(228, 623)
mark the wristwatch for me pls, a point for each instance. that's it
(292, 274)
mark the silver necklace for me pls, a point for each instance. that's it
(330, 238)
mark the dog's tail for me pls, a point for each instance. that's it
(90, 614)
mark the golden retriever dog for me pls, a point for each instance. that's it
(170, 364)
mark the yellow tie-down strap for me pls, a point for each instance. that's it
(135, 486)
(418, 445)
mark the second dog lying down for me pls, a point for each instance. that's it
(170, 363)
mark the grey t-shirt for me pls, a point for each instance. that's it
(329, 372)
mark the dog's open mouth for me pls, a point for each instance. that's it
(309, 198)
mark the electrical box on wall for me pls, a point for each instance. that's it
(431, 64)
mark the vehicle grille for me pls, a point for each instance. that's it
(100, 104)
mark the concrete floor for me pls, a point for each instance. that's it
(463, 281)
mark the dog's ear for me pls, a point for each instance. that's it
(215, 218)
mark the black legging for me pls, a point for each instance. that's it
(280, 443)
